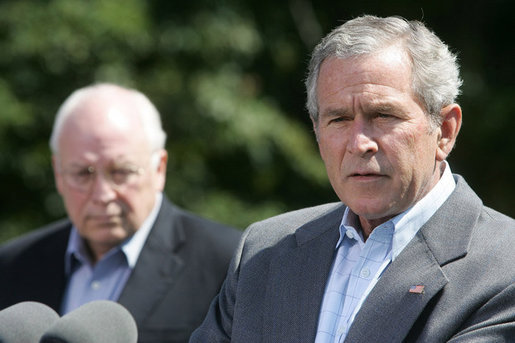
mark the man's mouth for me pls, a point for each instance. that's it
(365, 176)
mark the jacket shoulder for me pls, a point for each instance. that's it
(271, 231)
(32, 266)
(495, 231)
(499, 218)
(177, 227)
(196, 222)
(41, 240)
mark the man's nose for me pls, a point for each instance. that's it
(102, 189)
(361, 140)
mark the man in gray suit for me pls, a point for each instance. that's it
(410, 254)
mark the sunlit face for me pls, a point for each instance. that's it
(106, 135)
(376, 141)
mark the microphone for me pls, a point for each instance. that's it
(25, 322)
(100, 321)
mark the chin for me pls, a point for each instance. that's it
(372, 212)
(110, 234)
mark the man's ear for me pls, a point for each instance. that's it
(449, 129)
(161, 170)
(57, 176)
(315, 127)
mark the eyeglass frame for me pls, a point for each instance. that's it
(92, 172)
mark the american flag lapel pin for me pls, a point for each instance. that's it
(417, 289)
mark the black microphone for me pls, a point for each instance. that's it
(25, 322)
(100, 321)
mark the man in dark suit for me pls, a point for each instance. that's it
(124, 240)
(410, 254)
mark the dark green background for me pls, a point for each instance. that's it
(227, 77)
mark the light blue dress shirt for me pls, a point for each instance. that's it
(105, 279)
(358, 264)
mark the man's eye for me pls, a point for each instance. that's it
(122, 171)
(340, 119)
(383, 115)
(121, 175)
(82, 175)
(86, 172)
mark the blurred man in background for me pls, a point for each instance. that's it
(410, 254)
(123, 240)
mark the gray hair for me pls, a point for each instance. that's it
(435, 71)
(150, 119)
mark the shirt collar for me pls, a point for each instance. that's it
(131, 247)
(410, 221)
(350, 223)
(407, 223)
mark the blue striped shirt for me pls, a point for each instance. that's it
(358, 264)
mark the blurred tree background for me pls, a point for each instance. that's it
(227, 77)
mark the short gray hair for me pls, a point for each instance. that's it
(436, 80)
(150, 119)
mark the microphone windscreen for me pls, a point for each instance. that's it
(25, 322)
(100, 321)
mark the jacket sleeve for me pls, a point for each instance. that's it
(492, 322)
(218, 323)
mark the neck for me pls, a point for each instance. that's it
(96, 252)
(367, 226)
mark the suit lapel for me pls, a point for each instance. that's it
(157, 267)
(297, 280)
(50, 290)
(390, 310)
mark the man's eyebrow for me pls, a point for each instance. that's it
(378, 107)
(79, 164)
(381, 107)
(336, 112)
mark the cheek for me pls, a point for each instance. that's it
(398, 155)
(408, 142)
(413, 157)
(131, 202)
(426, 149)
(75, 205)
(137, 209)
(331, 147)
(139, 201)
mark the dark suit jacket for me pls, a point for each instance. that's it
(179, 271)
(464, 256)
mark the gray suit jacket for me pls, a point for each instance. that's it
(179, 271)
(464, 256)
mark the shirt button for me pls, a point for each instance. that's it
(349, 234)
(365, 272)
(95, 285)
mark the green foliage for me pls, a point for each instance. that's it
(227, 78)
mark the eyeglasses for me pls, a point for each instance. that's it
(82, 179)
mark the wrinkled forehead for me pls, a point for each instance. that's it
(104, 130)
(86, 150)
(389, 67)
